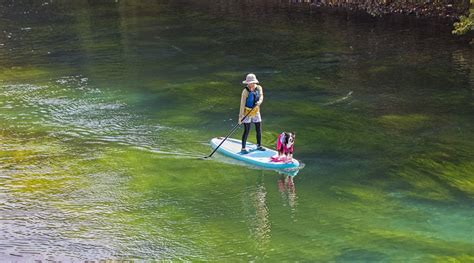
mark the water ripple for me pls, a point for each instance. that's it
(72, 107)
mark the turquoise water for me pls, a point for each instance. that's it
(106, 107)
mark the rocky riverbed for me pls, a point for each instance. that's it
(445, 8)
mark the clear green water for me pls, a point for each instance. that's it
(104, 108)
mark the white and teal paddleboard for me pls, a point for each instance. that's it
(231, 148)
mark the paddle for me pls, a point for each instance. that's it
(230, 133)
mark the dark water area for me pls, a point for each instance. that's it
(105, 107)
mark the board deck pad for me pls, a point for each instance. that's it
(231, 147)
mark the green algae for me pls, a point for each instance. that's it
(454, 259)
(405, 123)
(21, 74)
(439, 180)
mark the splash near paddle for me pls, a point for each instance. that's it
(231, 148)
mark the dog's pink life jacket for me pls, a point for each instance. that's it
(281, 144)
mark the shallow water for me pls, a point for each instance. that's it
(105, 107)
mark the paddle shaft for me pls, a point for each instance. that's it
(231, 132)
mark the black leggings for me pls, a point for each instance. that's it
(258, 128)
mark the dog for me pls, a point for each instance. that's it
(285, 146)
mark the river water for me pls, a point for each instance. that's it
(106, 105)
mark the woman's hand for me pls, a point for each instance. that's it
(239, 120)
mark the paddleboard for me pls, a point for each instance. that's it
(231, 147)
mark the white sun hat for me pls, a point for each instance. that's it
(251, 78)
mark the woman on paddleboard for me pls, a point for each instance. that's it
(252, 98)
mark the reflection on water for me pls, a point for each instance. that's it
(258, 215)
(287, 189)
